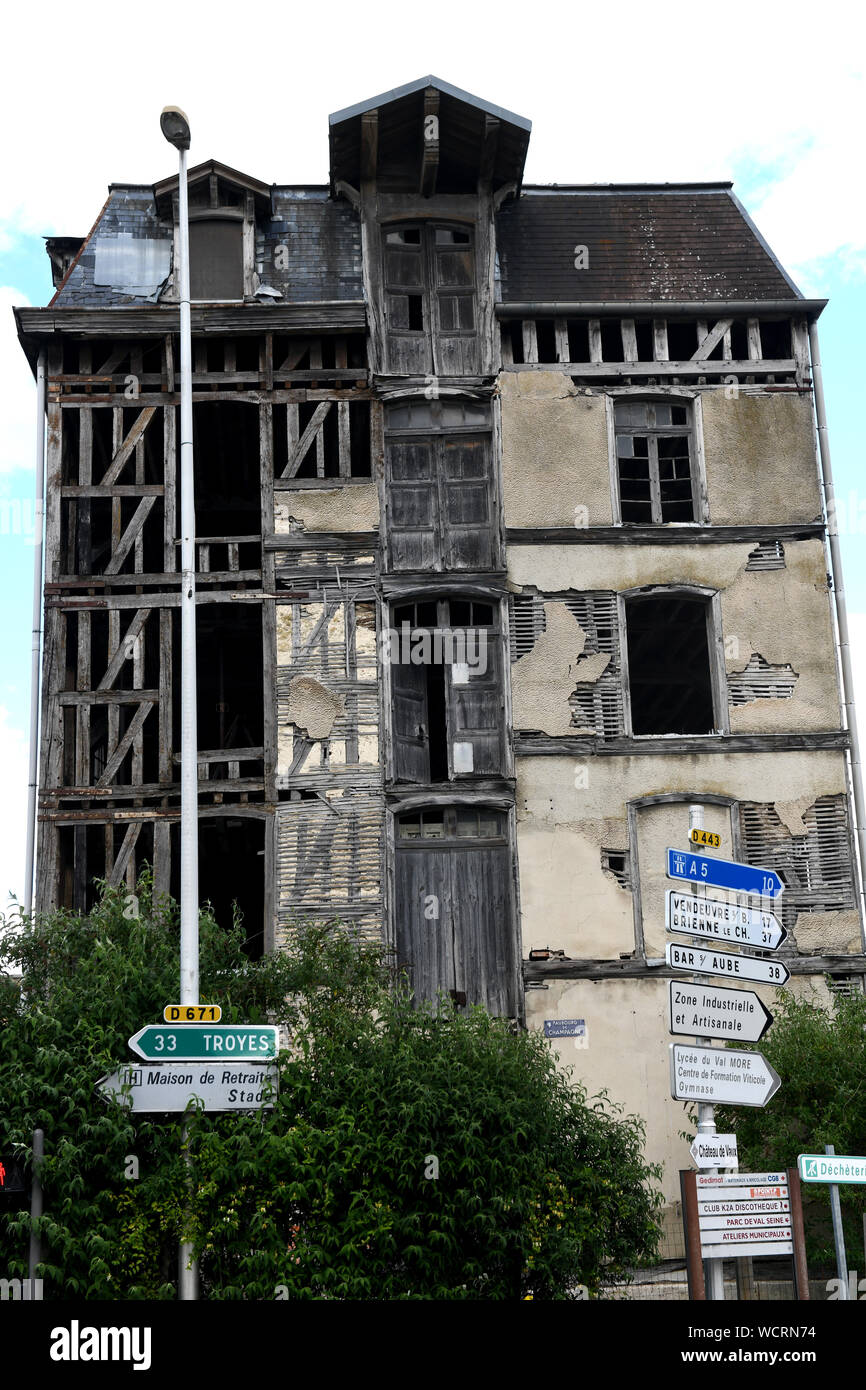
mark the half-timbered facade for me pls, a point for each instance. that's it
(510, 548)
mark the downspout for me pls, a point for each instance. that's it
(36, 638)
(841, 611)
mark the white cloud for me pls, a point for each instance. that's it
(18, 417)
(13, 803)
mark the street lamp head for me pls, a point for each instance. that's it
(175, 127)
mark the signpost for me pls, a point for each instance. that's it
(723, 873)
(194, 1042)
(169, 1087)
(720, 1076)
(831, 1168)
(712, 1012)
(715, 1151)
(738, 1215)
(717, 920)
(744, 1214)
(698, 960)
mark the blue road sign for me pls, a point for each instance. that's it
(724, 873)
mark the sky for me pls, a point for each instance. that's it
(767, 95)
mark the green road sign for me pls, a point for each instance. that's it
(199, 1041)
(834, 1168)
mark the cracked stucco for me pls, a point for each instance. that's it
(554, 452)
(312, 707)
(542, 681)
(783, 614)
(760, 458)
(351, 508)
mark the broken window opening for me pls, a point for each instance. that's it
(655, 452)
(231, 870)
(682, 339)
(430, 292)
(611, 340)
(669, 665)
(545, 336)
(447, 704)
(776, 339)
(617, 862)
(227, 473)
(578, 339)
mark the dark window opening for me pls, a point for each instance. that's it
(230, 675)
(643, 331)
(776, 339)
(545, 337)
(739, 341)
(578, 340)
(611, 340)
(415, 321)
(669, 665)
(216, 259)
(227, 480)
(437, 723)
(231, 870)
(514, 329)
(682, 340)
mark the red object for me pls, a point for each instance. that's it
(2, 1176)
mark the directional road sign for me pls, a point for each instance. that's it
(744, 1214)
(167, 1087)
(834, 1168)
(708, 1011)
(703, 960)
(720, 1076)
(724, 873)
(194, 1042)
(715, 920)
(714, 1150)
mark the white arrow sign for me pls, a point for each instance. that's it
(708, 1011)
(698, 960)
(168, 1087)
(714, 1150)
(715, 920)
(719, 1076)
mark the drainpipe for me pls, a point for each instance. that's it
(841, 610)
(38, 526)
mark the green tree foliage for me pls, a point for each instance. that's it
(411, 1152)
(819, 1052)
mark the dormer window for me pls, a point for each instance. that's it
(216, 257)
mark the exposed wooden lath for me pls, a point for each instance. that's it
(816, 868)
(595, 705)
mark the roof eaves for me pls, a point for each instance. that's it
(348, 112)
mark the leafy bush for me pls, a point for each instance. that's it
(411, 1152)
(820, 1054)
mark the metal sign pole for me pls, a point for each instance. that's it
(35, 1213)
(838, 1233)
(714, 1273)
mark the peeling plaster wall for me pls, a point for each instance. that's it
(783, 614)
(312, 707)
(568, 810)
(554, 452)
(542, 681)
(627, 1053)
(760, 459)
(354, 507)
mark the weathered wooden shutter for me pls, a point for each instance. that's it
(425, 943)
(407, 301)
(410, 723)
(468, 534)
(216, 259)
(816, 868)
(453, 269)
(475, 711)
(413, 505)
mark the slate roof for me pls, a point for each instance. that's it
(648, 243)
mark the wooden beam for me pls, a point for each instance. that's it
(429, 144)
(298, 453)
(489, 148)
(123, 453)
(129, 841)
(708, 342)
(127, 540)
(122, 653)
(125, 743)
(369, 146)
